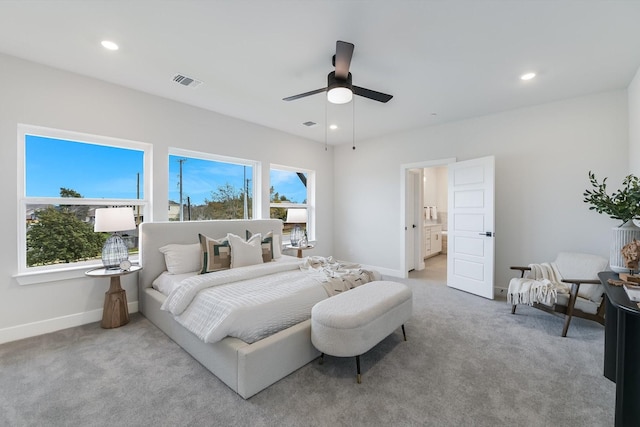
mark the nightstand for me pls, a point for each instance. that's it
(116, 310)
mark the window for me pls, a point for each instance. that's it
(292, 198)
(205, 186)
(63, 177)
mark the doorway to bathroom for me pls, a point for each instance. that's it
(469, 222)
(426, 205)
(433, 192)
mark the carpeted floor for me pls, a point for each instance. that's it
(468, 362)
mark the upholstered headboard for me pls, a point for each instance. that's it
(154, 235)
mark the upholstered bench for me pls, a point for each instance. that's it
(351, 323)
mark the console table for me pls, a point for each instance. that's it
(622, 350)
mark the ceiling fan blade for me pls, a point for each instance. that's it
(344, 52)
(302, 95)
(372, 94)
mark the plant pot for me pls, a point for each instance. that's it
(619, 238)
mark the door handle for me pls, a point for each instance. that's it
(487, 234)
(413, 226)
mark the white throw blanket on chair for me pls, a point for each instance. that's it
(540, 285)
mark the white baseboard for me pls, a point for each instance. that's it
(27, 330)
(384, 271)
(499, 293)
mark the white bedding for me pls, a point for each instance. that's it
(167, 282)
(248, 303)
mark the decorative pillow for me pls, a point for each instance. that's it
(181, 258)
(216, 254)
(245, 253)
(267, 246)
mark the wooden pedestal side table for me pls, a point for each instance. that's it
(116, 310)
(299, 249)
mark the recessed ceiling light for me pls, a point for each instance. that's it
(333, 127)
(109, 45)
(527, 76)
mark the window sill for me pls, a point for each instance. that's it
(34, 278)
(55, 275)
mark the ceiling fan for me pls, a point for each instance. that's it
(339, 88)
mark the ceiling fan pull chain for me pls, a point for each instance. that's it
(326, 125)
(353, 126)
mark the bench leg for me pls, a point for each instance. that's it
(404, 333)
(321, 358)
(513, 309)
(358, 377)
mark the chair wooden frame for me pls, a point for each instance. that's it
(569, 310)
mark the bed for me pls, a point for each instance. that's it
(245, 368)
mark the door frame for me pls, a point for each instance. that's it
(414, 199)
(404, 170)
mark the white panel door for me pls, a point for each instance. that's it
(470, 259)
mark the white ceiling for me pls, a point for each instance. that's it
(442, 60)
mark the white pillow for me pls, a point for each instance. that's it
(181, 259)
(245, 253)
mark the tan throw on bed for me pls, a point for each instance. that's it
(337, 276)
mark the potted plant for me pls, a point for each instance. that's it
(623, 205)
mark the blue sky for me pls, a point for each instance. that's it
(203, 177)
(94, 171)
(97, 171)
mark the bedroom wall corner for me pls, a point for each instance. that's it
(633, 100)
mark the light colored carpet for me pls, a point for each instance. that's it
(468, 362)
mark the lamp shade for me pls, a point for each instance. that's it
(114, 219)
(297, 216)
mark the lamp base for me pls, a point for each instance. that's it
(113, 252)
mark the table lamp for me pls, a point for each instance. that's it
(296, 216)
(114, 220)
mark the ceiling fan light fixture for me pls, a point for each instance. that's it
(339, 95)
(339, 90)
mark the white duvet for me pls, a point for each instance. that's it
(249, 303)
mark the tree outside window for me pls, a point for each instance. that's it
(64, 177)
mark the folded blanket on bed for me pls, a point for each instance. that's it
(541, 285)
(337, 276)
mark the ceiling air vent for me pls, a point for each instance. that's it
(309, 124)
(186, 81)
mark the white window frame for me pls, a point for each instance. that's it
(256, 172)
(310, 206)
(30, 275)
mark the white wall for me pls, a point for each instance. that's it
(430, 187)
(543, 155)
(38, 95)
(633, 94)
